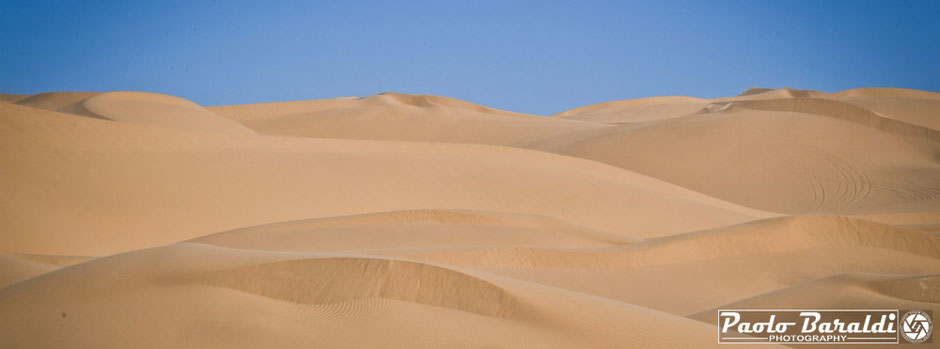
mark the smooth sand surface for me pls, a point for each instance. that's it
(133, 219)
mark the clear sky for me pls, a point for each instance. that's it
(539, 57)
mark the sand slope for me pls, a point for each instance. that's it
(290, 300)
(808, 154)
(414, 229)
(134, 219)
(174, 184)
(716, 266)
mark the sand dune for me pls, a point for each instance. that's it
(715, 267)
(637, 110)
(722, 256)
(414, 229)
(820, 156)
(176, 184)
(135, 219)
(400, 117)
(788, 234)
(157, 109)
(348, 300)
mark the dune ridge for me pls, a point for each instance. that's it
(765, 238)
(414, 229)
(636, 110)
(54, 100)
(399, 117)
(842, 111)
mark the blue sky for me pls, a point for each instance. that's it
(538, 57)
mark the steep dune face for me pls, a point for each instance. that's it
(754, 91)
(767, 93)
(842, 111)
(141, 220)
(401, 117)
(910, 106)
(926, 221)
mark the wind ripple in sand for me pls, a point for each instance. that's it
(334, 280)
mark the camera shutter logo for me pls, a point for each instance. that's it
(916, 326)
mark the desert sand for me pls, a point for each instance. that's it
(134, 219)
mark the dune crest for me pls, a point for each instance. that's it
(157, 109)
(842, 111)
(909, 106)
(414, 229)
(55, 100)
(754, 91)
(430, 101)
(818, 153)
(400, 117)
(769, 93)
(773, 236)
(650, 109)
